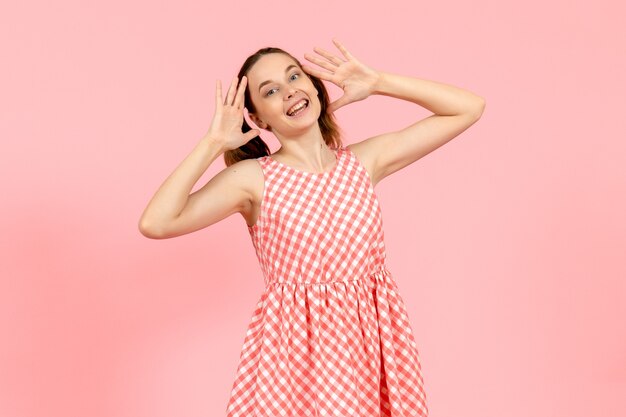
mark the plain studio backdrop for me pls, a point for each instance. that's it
(507, 243)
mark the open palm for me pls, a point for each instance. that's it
(226, 126)
(356, 79)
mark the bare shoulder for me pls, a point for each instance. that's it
(366, 154)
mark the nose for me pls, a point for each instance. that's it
(291, 92)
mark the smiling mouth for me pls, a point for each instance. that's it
(298, 108)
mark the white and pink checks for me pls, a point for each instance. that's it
(330, 335)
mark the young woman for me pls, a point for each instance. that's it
(330, 334)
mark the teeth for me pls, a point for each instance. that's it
(296, 107)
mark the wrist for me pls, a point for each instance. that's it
(214, 143)
(378, 85)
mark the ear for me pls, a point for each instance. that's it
(258, 121)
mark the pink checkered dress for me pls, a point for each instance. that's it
(330, 335)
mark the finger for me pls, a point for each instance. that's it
(343, 49)
(320, 62)
(319, 74)
(231, 91)
(218, 94)
(335, 60)
(251, 134)
(340, 102)
(240, 92)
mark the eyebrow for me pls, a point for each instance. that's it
(269, 81)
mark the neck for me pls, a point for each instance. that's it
(308, 151)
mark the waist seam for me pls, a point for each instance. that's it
(381, 272)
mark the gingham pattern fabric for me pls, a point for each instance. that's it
(330, 335)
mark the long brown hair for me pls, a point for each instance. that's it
(256, 147)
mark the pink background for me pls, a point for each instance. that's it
(507, 243)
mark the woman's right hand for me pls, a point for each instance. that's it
(228, 118)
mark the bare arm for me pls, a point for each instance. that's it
(168, 202)
(172, 211)
(454, 109)
(442, 99)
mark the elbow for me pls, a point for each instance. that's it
(481, 103)
(148, 230)
(478, 108)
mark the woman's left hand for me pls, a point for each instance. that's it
(356, 79)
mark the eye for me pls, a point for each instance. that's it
(269, 92)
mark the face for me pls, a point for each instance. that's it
(276, 83)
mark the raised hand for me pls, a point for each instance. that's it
(228, 118)
(356, 79)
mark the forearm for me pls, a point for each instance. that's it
(439, 98)
(171, 197)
